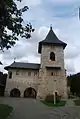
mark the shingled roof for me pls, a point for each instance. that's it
(0, 63)
(51, 38)
(22, 65)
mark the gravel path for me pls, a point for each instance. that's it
(34, 109)
(70, 103)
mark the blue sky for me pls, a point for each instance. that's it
(63, 15)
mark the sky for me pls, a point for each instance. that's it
(63, 15)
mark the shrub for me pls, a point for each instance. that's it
(77, 102)
(71, 96)
(50, 98)
(5, 111)
(61, 103)
(78, 94)
(58, 98)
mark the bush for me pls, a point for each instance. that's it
(61, 103)
(78, 94)
(71, 97)
(77, 102)
(5, 111)
(50, 98)
(58, 98)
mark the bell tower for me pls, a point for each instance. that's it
(52, 76)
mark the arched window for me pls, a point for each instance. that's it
(10, 74)
(51, 73)
(52, 56)
(17, 72)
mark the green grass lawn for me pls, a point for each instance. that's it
(5, 110)
(77, 102)
(61, 103)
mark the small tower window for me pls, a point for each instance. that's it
(17, 72)
(51, 73)
(35, 73)
(52, 56)
(29, 73)
(10, 75)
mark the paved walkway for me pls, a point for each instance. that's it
(34, 109)
(70, 103)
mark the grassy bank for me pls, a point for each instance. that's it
(77, 102)
(61, 103)
(5, 110)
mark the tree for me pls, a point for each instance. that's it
(11, 19)
(74, 83)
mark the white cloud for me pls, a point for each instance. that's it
(69, 65)
(63, 1)
(71, 52)
(43, 32)
(30, 3)
(33, 59)
(77, 64)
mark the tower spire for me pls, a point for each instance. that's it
(51, 27)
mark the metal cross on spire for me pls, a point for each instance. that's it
(14, 59)
(51, 26)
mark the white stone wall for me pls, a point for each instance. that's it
(43, 82)
(22, 81)
(56, 83)
(45, 56)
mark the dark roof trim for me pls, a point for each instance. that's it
(22, 65)
(56, 44)
(6, 68)
(58, 68)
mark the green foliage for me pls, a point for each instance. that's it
(71, 96)
(58, 104)
(58, 98)
(5, 110)
(11, 20)
(50, 98)
(77, 102)
(74, 83)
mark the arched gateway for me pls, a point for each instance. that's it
(30, 93)
(15, 93)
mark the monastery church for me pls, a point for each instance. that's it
(38, 80)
